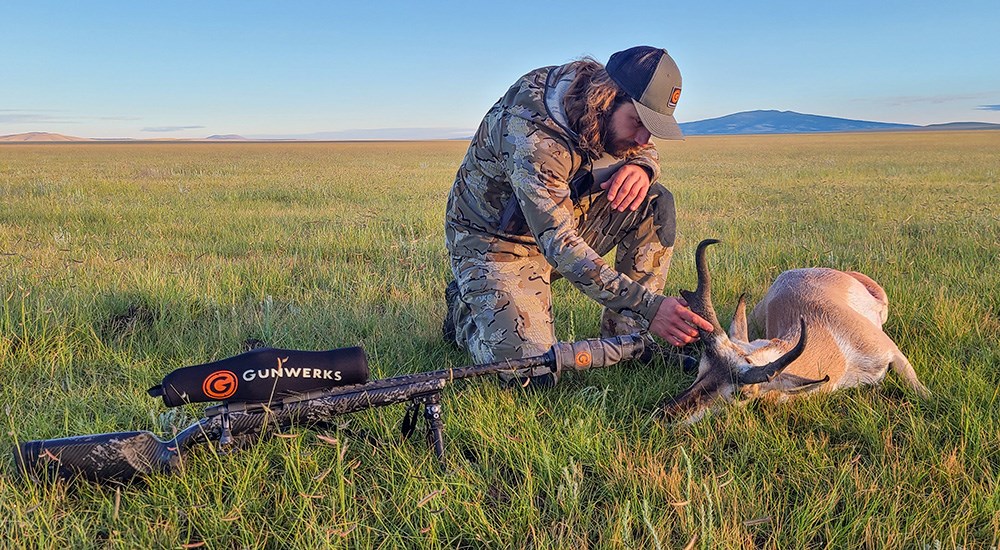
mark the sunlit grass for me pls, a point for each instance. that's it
(119, 263)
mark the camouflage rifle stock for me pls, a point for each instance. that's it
(125, 455)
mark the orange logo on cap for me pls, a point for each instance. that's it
(220, 384)
(675, 96)
(583, 359)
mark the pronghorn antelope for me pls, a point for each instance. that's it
(823, 330)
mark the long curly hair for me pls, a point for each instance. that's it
(589, 102)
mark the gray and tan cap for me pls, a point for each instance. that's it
(651, 78)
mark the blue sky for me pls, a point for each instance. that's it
(191, 69)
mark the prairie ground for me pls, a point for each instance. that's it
(122, 262)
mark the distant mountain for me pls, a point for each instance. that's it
(782, 122)
(962, 126)
(226, 137)
(41, 136)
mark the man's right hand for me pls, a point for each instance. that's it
(676, 323)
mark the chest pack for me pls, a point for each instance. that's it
(263, 375)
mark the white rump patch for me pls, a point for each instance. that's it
(860, 300)
(859, 369)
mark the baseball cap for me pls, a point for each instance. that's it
(651, 78)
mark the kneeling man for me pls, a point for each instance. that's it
(560, 171)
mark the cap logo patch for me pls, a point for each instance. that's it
(674, 97)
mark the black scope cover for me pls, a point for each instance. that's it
(263, 375)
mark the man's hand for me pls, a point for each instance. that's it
(676, 323)
(627, 188)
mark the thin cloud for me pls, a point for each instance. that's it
(932, 99)
(17, 116)
(988, 108)
(170, 128)
(41, 116)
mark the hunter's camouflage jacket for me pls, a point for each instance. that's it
(519, 168)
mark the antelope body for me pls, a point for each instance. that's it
(823, 332)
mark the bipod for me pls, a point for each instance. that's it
(431, 405)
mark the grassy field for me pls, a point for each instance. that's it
(121, 262)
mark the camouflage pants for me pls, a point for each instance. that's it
(504, 308)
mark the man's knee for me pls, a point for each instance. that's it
(503, 327)
(505, 310)
(664, 214)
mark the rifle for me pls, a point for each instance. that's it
(123, 456)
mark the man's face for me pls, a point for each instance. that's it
(625, 131)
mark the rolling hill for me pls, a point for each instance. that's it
(790, 122)
(41, 136)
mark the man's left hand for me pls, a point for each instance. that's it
(627, 188)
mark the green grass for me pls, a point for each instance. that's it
(119, 263)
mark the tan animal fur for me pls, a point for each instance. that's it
(841, 315)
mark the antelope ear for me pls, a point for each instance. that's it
(738, 328)
(790, 383)
(768, 372)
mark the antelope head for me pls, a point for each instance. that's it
(729, 361)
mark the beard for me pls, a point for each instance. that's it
(617, 146)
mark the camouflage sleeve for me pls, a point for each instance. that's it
(647, 158)
(540, 166)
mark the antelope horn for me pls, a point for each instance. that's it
(700, 300)
(738, 328)
(766, 372)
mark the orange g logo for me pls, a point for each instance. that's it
(220, 384)
(583, 359)
(675, 96)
